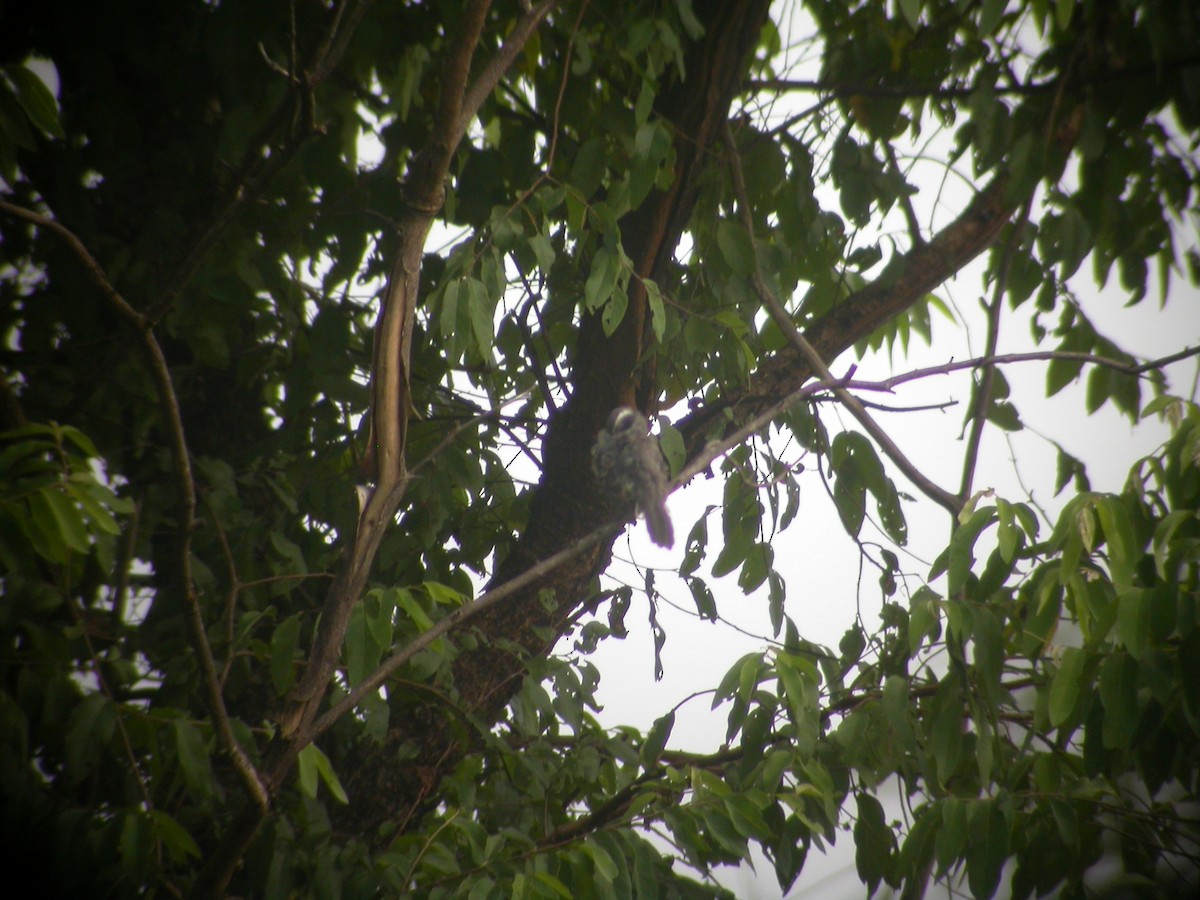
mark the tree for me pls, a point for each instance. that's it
(281, 612)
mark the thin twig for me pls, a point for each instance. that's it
(458, 429)
(889, 384)
(983, 389)
(235, 586)
(910, 214)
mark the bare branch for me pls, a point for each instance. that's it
(889, 383)
(982, 395)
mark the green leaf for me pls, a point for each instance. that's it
(194, 762)
(449, 315)
(602, 280)
(952, 835)
(89, 728)
(745, 817)
(606, 869)
(1061, 372)
(311, 764)
(656, 738)
(729, 684)
(285, 642)
(1065, 688)
(651, 145)
(756, 567)
(411, 606)
(1124, 551)
(917, 851)
(706, 604)
(1164, 531)
(360, 650)
(1118, 684)
(174, 836)
(987, 847)
(135, 842)
(37, 101)
(614, 312)
(68, 521)
(850, 498)
(481, 318)
(306, 770)
(798, 676)
(1007, 533)
(896, 706)
(658, 312)
(990, 15)
(670, 441)
(923, 620)
(1062, 13)
(946, 738)
(737, 247)
(543, 251)
(962, 547)
(98, 516)
(590, 167)
(873, 842)
(1135, 611)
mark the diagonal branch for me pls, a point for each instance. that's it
(491, 74)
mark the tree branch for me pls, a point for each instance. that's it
(977, 414)
(184, 488)
(711, 452)
(487, 80)
(767, 297)
(887, 384)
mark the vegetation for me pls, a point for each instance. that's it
(312, 312)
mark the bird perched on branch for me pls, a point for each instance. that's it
(628, 460)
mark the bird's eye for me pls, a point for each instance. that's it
(625, 420)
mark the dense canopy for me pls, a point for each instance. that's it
(312, 312)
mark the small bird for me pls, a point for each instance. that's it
(627, 459)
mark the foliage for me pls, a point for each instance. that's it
(312, 312)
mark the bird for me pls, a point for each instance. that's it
(627, 459)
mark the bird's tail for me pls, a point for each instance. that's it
(659, 524)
